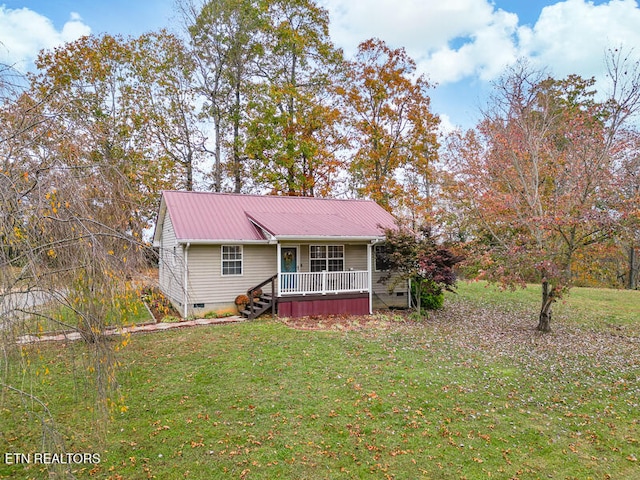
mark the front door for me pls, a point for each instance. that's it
(288, 264)
(288, 259)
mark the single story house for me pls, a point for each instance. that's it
(303, 255)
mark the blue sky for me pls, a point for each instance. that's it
(460, 45)
(128, 17)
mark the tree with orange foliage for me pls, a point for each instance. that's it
(102, 127)
(391, 129)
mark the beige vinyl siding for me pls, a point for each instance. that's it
(215, 291)
(381, 296)
(171, 264)
(208, 286)
(355, 257)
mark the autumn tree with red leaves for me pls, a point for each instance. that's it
(536, 177)
(627, 179)
(416, 257)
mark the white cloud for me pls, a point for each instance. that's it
(446, 126)
(450, 39)
(414, 24)
(573, 36)
(462, 39)
(485, 54)
(23, 33)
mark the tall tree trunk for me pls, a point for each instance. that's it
(217, 169)
(548, 297)
(237, 169)
(419, 298)
(189, 171)
(632, 268)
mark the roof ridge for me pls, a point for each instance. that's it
(258, 195)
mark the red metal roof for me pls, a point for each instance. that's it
(204, 216)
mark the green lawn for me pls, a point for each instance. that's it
(472, 393)
(588, 307)
(55, 318)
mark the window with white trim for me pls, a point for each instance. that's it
(232, 260)
(328, 258)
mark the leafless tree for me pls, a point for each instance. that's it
(66, 262)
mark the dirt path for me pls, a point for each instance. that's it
(150, 327)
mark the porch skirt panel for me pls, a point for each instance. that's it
(323, 305)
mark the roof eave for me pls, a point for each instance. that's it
(221, 241)
(157, 233)
(282, 238)
(330, 238)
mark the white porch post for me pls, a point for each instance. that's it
(370, 276)
(279, 270)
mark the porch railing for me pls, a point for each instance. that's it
(304, 283)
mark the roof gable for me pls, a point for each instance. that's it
(217, 217)
(304, 224)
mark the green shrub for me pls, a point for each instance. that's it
(431, 298)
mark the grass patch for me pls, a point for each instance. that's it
(56, 318)
(588, 307)
(473, 393)
(618, 307)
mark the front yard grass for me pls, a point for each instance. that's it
(598, 308)
(472, 393)
(55, 318)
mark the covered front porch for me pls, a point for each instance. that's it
(323, 283)
(324, 293)
(324, 277)
(320, 278)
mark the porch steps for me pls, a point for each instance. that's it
(264, 302)
(257, 308)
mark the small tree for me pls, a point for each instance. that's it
(416, 257)
(536, 179)
(69, 245)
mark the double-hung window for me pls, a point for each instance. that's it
(328, 258)
(232, 260)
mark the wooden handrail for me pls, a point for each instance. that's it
(271, 279)
(257, 287)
